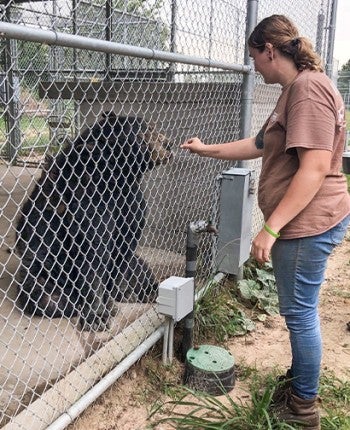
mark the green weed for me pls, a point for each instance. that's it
(201, 411)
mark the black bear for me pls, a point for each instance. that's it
(79, 229)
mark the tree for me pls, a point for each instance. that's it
(145, 7)
(32, 61)
(344, 78)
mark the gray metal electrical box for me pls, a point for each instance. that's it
(176, 297)
(235, 219)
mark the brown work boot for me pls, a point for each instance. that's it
(294, 410)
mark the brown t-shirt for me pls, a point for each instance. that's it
(310, 114)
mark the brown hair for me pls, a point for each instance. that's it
(283, 35)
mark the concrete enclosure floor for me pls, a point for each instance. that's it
(36, 352)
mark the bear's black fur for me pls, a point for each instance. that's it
(80, 227)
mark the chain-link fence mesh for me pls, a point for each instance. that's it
(96, 195)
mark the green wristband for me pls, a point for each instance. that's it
(273, 233)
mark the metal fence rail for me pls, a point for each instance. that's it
(96, 195)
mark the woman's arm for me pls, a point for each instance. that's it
(244, 149)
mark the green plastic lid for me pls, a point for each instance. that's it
(210, 358)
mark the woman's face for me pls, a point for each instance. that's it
(263, 63)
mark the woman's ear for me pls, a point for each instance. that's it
(270, 50)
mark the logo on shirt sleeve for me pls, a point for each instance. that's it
(273, 117)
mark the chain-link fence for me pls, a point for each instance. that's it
(96, 197)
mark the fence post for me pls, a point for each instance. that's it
(331, 36)
(247, 87)
(248, 78)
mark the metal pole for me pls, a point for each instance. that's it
(247, 88)
(211, 29)
(108, 35)
(320, 31)
(248, 78)
(173, 47)
(16, 31)
(331, 36)
(12, 96)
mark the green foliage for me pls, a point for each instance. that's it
(218, 316)
(33, 56)
(202, 411)
(334, 390)
(143, 7)
(258, 289)
(34, 131)
(344, 78)
(221, 311)
(346, 66)
(335, 394)
(154, 35)
(33, 60)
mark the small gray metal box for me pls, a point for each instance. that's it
(176, 297)
(235, 219)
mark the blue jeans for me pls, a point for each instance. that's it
(299, 267)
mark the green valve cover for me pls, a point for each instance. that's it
(210, 369)
(210, 358)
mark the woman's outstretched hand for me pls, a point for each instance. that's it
(194, 144)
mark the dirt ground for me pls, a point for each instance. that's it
(126, 405)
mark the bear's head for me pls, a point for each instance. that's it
(126, 141)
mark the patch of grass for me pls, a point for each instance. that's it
(335, 391)
(202, 411)
(335, 394)
(34, 134)
(195, 410)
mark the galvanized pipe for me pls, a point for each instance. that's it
(87, 399)
(331, 37)
(52, 37)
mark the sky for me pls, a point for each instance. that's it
(342, 33)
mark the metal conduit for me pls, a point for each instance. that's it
(52, 37)
(88, 398)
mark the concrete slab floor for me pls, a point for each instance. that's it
(36, 352)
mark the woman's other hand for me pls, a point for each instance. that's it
(261, 247)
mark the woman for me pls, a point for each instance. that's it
(302, 194)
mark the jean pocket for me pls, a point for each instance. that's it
(338, 232)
